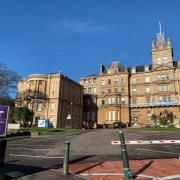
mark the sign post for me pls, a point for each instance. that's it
(4, 110)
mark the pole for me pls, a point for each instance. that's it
(66, 158)
(127, 173)
(2, 155)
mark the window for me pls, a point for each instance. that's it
(149, 114)
(133, 81)
(94, 100)
(123, 80)
(109, 115)
(165, 98)
(134, 101)
(147, 79)
(164, 88)
(102, 91)
(148, 99)
(165, 60)
(123, 90)
(134, 90)
(93, 114)
(94, 80)
(113, 115)
(52, 106)
(89, 81)
(113, 100)
(85, 90)
(109, 81)
(94, 91)
(39, 106)
(123, 100)
(88, 116)
(162, 77)
(29, 105)
(88, 102)
(85, 81)
(158, 60)
(117, 100)
(146, 68)
(147, 89)
(116, 90)
(116, 81)
(89, 90)
(109, 91)
(109, 100)
(133, 70)
(103, 102)
(103, 82)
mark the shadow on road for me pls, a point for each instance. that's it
(12, 170)
(142, 169)
(87, 168)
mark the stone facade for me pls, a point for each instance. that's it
(135, 93)
(52, 97)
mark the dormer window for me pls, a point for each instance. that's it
(133, 70)
(146, 68)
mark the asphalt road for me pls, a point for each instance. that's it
(30, 155)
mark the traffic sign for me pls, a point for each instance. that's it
(69, 116)
(4, 110)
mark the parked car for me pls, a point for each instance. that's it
(119, 125)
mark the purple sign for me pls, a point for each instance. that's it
(3, 120)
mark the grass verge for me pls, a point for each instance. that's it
(45, 131)
(155, 129)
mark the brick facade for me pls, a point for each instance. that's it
(52, 97)
(135, 93)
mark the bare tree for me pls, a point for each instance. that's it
(8, 80)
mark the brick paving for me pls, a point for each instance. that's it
(143, 169)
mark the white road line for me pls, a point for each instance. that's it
(31, 149)
(166, 152)
(45, 157)
(171, 177)
(25, 145)
(115, 174)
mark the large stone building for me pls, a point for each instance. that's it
(135, 93)
(54, 97)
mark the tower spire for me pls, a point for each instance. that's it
(160, 28)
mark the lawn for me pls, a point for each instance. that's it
(155, 129)
(45, 131)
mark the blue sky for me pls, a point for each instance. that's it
(75, 36)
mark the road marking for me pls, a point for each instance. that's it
(115, 174)
(46, 157)
(25, 145)
(171, 177)
(157, 151)
(148, 142)
(31, 149)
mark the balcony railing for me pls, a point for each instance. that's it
(175, 103)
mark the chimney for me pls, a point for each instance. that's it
(102, 68)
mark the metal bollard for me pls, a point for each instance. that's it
(66, 158)
(127, 173)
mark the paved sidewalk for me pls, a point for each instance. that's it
(142, 169)
(51, 175)
(156, 169)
